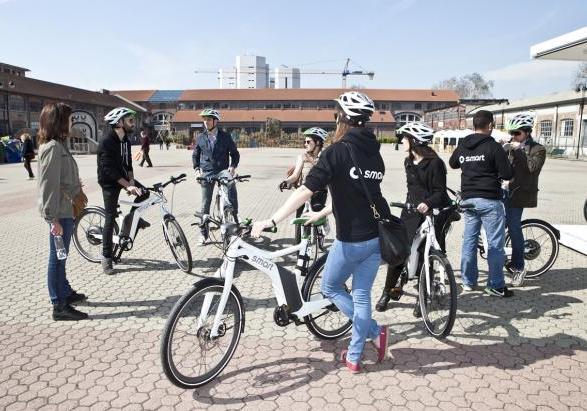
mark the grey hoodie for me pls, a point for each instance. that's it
(58, 181)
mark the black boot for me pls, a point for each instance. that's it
(65, 312)
(382, 303)
(76, 298)
(417, 312)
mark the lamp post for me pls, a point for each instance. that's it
(582, 88)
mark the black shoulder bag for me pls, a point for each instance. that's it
(393, 237)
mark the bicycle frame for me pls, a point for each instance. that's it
(284, 282)
(155, 198)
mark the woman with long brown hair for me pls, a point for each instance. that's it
(426, 181)
(58, 183)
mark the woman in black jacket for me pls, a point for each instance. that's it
(426, 181)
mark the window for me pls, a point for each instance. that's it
(404, 118)
(418, 106)
(396, 106)
(567, 128)
(546, 128)
(16, 103)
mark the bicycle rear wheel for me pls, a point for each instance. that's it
(541, 247)
(190, 356)
(87, 233)
(439, 306)
(178, 244)
(330, 323)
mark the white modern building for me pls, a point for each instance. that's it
(252, 72)
(227, 77)
(287, 77)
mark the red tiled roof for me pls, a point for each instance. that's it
(136, 95)
(268, 94)
(316, 94)
(286, 116)
(40, 88)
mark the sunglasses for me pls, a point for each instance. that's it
(307, 142)
(515, 133)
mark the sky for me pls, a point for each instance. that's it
(134, 44)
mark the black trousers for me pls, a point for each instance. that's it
(146, 158)
(27, 165)
(110, 196)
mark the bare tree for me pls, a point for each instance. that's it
(580, 76)
(468, 86)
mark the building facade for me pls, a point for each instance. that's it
(22, 99)
(561, 120)
(296, 109)
(287, 77)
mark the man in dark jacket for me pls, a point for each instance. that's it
(215, 155)
(114, 173)
(527, 158)
(145, 148)
(483, 164)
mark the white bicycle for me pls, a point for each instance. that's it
(437, 288)
(541, 243)
(222, 211)
(87, 233)
(204, 327)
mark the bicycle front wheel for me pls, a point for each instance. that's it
(329, 323)
(541, 247)
(178, 244)
(438, 296)
(190, 355)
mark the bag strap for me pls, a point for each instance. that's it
(376, 215)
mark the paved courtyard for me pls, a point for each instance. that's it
(528, 352)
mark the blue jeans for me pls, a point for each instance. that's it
(490, 214)
(514, 223)
(59, 288)
(362, 261)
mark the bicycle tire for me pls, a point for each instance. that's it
(172, 369)
(537, 247)
(309, 290)
(585, 210)
(183, 262)
(439, 296)
(78, 238)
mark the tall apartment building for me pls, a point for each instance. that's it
(287, 77)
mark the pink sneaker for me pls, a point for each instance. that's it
(381, 343)
(354, 368)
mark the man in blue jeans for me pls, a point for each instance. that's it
(483, 163)
(215, 155)
(527, 158)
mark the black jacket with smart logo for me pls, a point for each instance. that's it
(484, 164)
(335, 169)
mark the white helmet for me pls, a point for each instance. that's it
(316, 132)
(357, 107)
(114, 115)
(210, 112)
(520, 121)
(421, 133)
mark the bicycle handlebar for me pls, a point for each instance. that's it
(172, 180)
(224, 180)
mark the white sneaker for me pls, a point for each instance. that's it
(467, 287)
(519, 276)
(202, 240)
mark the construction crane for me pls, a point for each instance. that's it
(345, 72)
